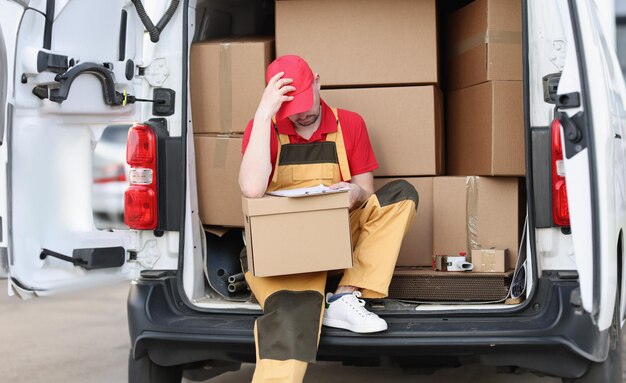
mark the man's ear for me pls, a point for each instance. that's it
(318, 84)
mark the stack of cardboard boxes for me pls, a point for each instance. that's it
(227, 81)
(380, 59)
(485, 136)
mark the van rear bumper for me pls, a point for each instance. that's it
(548, 334)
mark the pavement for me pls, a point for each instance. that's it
(83, 337)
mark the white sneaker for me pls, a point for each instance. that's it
(349, 313)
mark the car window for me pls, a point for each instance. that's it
(110, 172)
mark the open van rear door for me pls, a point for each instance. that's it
(76, 62)
(591, 103)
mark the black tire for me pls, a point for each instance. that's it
(144, 370)
(609, 371)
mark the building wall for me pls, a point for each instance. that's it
(620, 7)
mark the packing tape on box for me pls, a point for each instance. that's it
(471, 212)
(488, 260)
(226, 88)
(221, 151)
(488, 37)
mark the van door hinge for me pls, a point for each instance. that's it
(156, 73)
(550, 87)
(550, 95)
(575, 139)
(148, 255)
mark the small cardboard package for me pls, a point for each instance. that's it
(484, 43)
(361, 42)
(490, 261)
(297, 235)
(405, 126)
(486, 130)
(217, 171)
(477, 213)
(417, 246)
(227, 80)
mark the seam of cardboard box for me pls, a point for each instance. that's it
(225, 87)
(487, 37)
(221, 152)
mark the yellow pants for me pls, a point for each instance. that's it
(287, 335)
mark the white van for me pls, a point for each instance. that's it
(77, 67)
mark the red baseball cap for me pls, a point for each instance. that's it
(298, 70)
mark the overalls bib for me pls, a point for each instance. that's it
(287, 334)
(311, 164)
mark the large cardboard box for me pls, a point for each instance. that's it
(361, 42)
(217, 169)
(417, 246)
(227, 82)
(486, 130)
(484, 43)
(297, 235)
(477, 213)
(404, 126)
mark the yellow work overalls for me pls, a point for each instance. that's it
(287, 334)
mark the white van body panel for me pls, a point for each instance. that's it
(606, 92)
(579, 197)
(553, 50)
(9, 23)
(51, 144)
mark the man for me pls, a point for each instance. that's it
(296, 140)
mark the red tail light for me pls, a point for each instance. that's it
(560, 206)
(140, 199)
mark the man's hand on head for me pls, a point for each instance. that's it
(274, 96)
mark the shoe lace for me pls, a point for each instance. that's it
(361, 304)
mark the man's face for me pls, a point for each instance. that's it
(310, 117)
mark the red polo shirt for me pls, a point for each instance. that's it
(357, 142)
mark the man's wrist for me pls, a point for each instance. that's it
(262, 118)
(358, 190)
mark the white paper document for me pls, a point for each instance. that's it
(304, 192)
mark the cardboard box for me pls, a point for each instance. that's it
(486, 130)
(417, 246)
(490, 261)
(404, 126)
(484, 43)
(477, 213)
(217, 169)
(297, 235)
(227, 82)
(361, 42)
